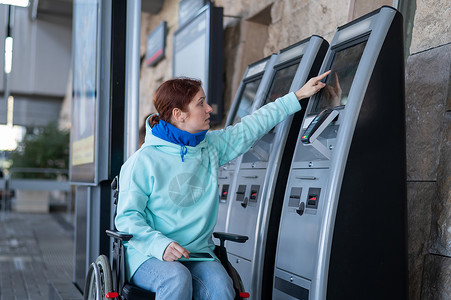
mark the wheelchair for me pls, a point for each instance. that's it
(108, 282)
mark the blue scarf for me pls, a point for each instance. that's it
(170, 133)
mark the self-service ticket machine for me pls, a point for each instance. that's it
(241, 107)
(260, 170)
(342, 232)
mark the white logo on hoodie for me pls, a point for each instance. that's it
(185, 189)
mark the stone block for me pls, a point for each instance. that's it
(430, 29)
(419, 198)
(441, 207)
(437, 278)
(427, 79)
(294, 21)
(448, 101)
(363, 7)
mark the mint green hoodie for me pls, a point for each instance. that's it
(162, 199)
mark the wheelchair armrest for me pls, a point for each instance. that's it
(223, 236)
(119, 235)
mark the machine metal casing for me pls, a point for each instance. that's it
(260, 171)
(352, 245)
(254, 75)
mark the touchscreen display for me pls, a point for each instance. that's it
(338, 83)
(281, 83)
(247, 99)
(280, 86)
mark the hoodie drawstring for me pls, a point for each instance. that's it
(183, 151)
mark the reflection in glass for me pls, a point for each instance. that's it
(281, 83)
(338, 83)
(280, 86)
(247, 99)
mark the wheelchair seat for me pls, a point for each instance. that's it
(103, 281)
(130, 291)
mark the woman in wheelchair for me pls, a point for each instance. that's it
(168, 198)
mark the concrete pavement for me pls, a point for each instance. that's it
(35, 251)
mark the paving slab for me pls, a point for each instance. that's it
(36, 250)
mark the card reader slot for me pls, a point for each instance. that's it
(224, 193)
(254, 193)
(313, 198)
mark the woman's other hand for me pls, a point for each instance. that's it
(312, 86)
(174, 251)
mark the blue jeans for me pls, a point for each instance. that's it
(197, 280)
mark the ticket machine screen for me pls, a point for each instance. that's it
(281, 83)
(338, 83)
(279, 87)
(247, 99)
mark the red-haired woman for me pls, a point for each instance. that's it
(168, 195)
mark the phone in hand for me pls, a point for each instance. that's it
(200, 256)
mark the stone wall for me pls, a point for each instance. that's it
(257, 28)
(428, 172)
(254, 29)
(432, 27)
(428, 119)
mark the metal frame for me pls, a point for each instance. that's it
(338, 163)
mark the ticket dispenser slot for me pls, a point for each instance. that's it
(313, 198)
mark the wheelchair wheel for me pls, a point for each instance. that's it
(99, 279)
(238, 285)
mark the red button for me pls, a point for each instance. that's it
(111, 295)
